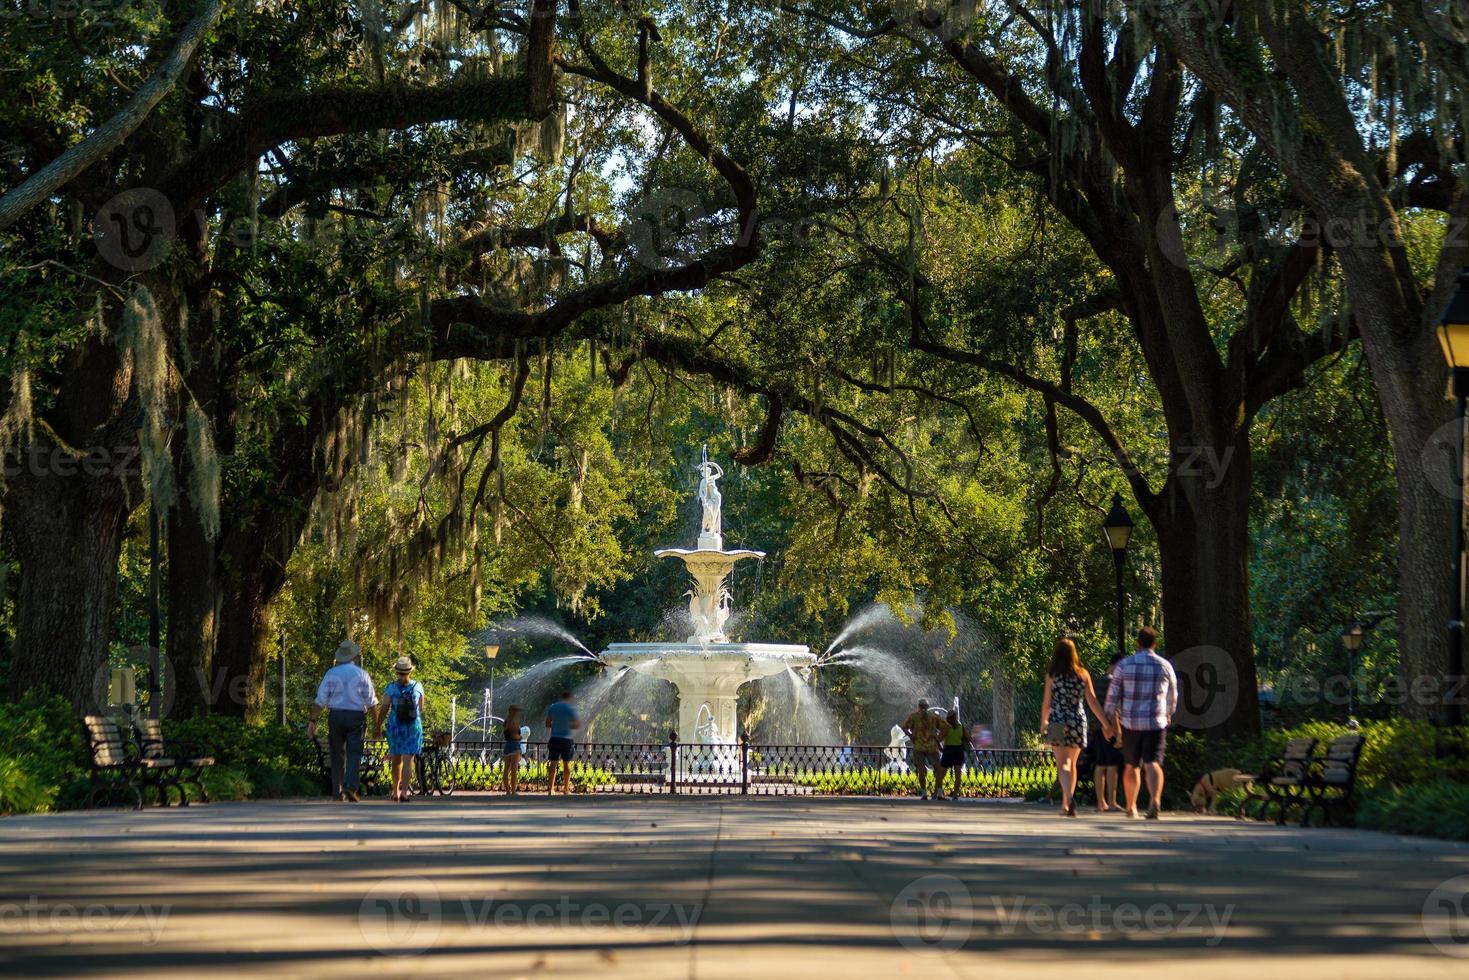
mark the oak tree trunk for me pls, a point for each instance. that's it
(67, 528)
(1203, 538)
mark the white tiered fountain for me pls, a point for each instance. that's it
(707, 668)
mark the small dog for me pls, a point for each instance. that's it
(1206, 790)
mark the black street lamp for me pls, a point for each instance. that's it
(1351, 639)
(1453, 334)
(1117, 526)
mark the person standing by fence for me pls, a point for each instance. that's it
(956, 743)
(345, 694)
(514, 748)
(562, 720)
(924, 729)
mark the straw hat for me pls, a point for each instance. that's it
(403, 666)
(347, 651)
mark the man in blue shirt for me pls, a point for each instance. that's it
(561, 719)
(345, 694)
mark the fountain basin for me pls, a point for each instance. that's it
(708, 674)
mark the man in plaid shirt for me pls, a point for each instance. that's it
(1144, 691)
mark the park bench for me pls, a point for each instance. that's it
(1281, 783)
(369, 772)
(117, 765)
(188, 763)
(1331, 780)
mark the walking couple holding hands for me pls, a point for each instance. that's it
(1140, 698)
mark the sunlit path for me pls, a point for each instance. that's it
(706, 888)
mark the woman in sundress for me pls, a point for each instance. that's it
(1063, 717)
(402, 706)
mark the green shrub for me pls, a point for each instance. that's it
(1008, 782)
(1398, 753)
(227, 783)
(21, 790)
(43, 759)
(584, 778)
(1436, 809)
(271, 784)
(274, 761)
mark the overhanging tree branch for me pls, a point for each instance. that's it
(67, 167)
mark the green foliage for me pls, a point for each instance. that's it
(253, 760)
(584, 778)
(1437, 809)
(1402, 763)
(228, 783)
(22, 789)
(1008, 782)
(43, 761)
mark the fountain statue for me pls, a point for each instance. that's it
(711, 533)
(897, 751)
(708, 668)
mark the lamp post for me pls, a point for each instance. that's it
(491, 652)
(1453, 334)
(1351, 639)
(1117, 526)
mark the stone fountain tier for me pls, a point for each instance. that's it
(708, 673)
(709, 565)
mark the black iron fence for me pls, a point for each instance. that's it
(738, 768)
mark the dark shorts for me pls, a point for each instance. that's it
(1106, 754)
(1143, 746)
(513, 748)
(560, 749)
(952, 757)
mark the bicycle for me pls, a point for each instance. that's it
(435, 768)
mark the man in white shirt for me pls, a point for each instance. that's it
(345, 694)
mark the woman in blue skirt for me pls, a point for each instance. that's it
(402, 705)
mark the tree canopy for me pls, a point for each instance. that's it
(409, 319)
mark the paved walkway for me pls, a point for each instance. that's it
(649, 888)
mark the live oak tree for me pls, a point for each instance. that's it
(297, 290)
(1362, 109)
(434, 271)
(1105, 126)
(118, 349)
